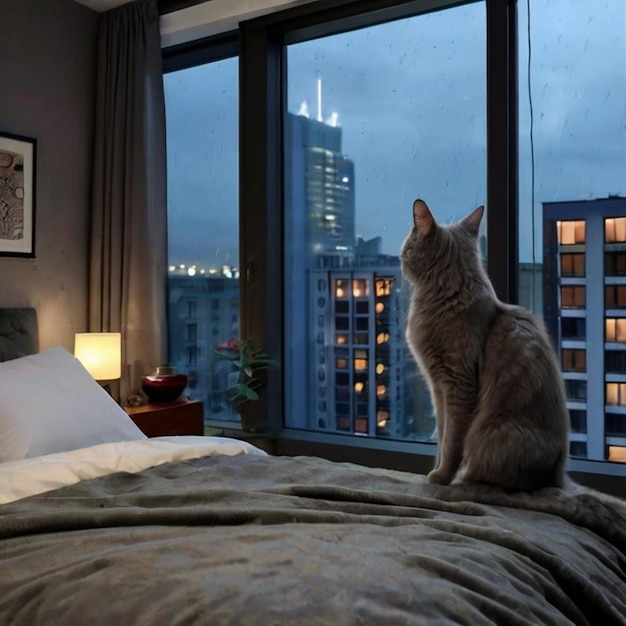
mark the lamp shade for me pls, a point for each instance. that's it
(100, 354)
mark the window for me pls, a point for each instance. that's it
(573, 328)
(570, 232)
(615, 330)
(615, 296)
(573, 360)
(357, 151)
(615, 263)
(551, 182)
(615, 230)
(573, 265)
(573, 297)
(203, 206)
(576, 390)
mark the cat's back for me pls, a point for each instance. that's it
(518, 331)
(521, 367)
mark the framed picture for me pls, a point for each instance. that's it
(17, 196)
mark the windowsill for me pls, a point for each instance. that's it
(409, 456)
(418, 457)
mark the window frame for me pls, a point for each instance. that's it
(260, 43)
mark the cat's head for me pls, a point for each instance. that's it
(431, 249)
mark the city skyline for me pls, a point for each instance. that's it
(430, 141)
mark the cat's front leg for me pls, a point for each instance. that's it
(451, 441)
(439, 477)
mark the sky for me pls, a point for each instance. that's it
(410, 99)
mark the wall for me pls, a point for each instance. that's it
(47, 91)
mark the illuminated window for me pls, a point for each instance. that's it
(382, 417)
(380, 307)
(573, 297)
(360, 288)
(343, 423)
(360, 360)
(341, 363)
(615, 329)
(573, 360)
(361, 426)
(570, 232)
(617, 454)
(383, 288)
(342, 288)
(615, 230)
(573, 264)
(616, 394)
(382, 338)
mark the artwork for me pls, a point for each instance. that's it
(17, 196)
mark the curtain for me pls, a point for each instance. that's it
(128, 271)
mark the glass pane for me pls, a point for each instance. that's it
(572, 98)
(365, 135)
(203, 205)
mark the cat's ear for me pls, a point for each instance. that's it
(472, 221)
(422, 217)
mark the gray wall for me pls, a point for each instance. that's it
(47, 91)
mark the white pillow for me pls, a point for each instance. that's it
(50, 403)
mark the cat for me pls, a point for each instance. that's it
(492, 373)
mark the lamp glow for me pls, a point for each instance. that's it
(100, 354)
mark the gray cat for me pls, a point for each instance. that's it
(492, 373)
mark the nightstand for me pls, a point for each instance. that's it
(160, 419)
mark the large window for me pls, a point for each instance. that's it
(572, 98)
(376, 117)
(203, 209)
(346, 117)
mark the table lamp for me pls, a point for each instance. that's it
(100, 354)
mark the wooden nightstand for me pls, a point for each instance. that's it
(160, 419)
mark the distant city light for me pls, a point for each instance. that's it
(191, 271)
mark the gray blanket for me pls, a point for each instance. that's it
(261, 541)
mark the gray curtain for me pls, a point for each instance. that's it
(128, 270)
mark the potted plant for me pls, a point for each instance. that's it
(248, 363)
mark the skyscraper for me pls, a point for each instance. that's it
(347, 313)
(319, 187)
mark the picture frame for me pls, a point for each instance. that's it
(17, 195)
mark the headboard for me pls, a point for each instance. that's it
(19, 334)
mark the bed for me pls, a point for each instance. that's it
(111, 527)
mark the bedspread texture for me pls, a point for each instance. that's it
(276, 540)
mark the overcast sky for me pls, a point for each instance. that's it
(410, 99)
